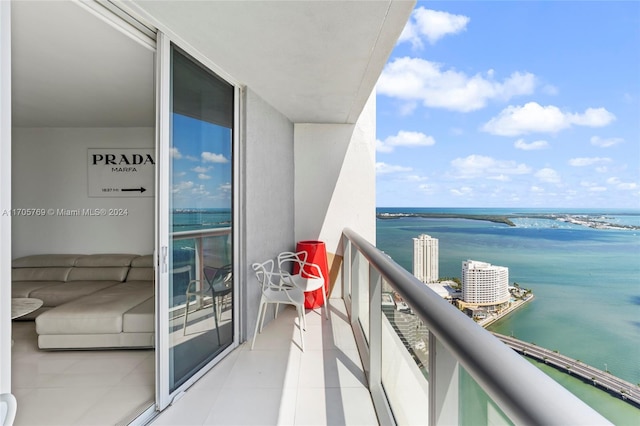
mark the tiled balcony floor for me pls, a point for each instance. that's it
(277, 383)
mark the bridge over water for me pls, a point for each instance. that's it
(601, 379)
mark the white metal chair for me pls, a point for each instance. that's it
(8, 414)
(276, 289)
(309, 276)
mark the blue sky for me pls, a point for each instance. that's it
(201, 162)
(512, 104)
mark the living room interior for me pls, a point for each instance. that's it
(79, 85)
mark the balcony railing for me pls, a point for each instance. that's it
(428, 363)
(198, 248)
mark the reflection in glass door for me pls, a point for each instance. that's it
(200, 259)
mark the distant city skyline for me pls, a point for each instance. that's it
(512, 104)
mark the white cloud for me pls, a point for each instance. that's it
(415, 79)
(174, 153)
(210, 157)
(605, 143)
(383, 168)
(521, 144)
(597, 189)
(536, 189)
(548, 175)
(427, 188)
(588, 161)
(431, 24)
(500, 178)
(404, 138)
(200, 190)
(627, 185)
(200, 169)
(407, 108)
(475, 166)
(182, 187)
(415, 178)
(464, 191)
(532, 117)
(203, 176)
(615, 181)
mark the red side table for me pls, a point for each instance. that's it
(316, 254)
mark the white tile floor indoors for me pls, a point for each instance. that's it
(276, 383)
(78, 387)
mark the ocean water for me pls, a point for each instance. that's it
(586, 283)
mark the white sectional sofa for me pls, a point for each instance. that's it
(89, 301)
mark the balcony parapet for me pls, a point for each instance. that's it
(524, 393)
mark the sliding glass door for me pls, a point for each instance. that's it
(195, 219)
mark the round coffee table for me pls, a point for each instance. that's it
(21, 306)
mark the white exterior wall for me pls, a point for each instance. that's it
(335, 181)
(484, 284)
(50, 171)
(267, 195)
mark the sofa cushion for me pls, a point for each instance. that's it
(95, 341)
(56, 295)
(40, 274)
(141, 269)
(145, 261)
(25, 288)
(140, 319)
(45, 260)
(140, 274)
(96, 313)
(105, 260)
(98, 274)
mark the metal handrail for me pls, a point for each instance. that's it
(522, 391)
(215, 232)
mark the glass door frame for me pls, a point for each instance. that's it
(163, 191)
(5, 198)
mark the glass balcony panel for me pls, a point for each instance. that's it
(404, 354)
(361, 279)
(200, 300)
(476, 407)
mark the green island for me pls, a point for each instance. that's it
(590, 221)
(490, 218)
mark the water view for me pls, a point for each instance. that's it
(585, 277)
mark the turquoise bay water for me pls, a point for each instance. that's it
(586, 282)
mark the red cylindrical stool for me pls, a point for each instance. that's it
(316, 254)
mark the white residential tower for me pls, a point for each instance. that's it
(484, 284)
(425, 258)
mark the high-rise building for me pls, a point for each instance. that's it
(425, 258)
(484, 284)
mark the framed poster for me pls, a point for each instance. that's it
(121, 172)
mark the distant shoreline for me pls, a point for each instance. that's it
(514, 306)
(491, 218)
(590, 221)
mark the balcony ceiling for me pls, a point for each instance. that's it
(314, 61)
